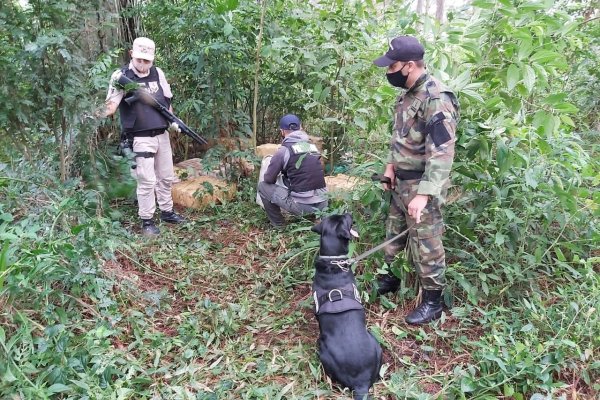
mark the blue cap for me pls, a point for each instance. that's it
(289, 122)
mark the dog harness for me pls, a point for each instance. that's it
(336, 300)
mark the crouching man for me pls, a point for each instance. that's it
(299, 162)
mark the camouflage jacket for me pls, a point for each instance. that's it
(424, 133)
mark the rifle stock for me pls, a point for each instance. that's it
(138, 95)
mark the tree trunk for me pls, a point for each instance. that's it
(129, 25)
(439, 12)
(256, 73)
(420, 7)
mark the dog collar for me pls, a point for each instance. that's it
(332, 257)
(342, 262)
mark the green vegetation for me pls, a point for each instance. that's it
(220, 307)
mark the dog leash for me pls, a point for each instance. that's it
(344, 262)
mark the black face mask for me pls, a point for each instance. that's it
(397, 79)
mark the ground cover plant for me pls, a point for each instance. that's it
(220, 307)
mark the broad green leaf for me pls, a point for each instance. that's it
(473, 95)
(317, 90)
(227, 29)
(512, 76)
(560, 255)
(226, 5)
(532, 6)
(8, 375)
(509, 214)
(467, 384)
(565, 107)
(524, 49)
(487, 4)
(285, 389)
(461, 81)
(527, 328)
(502, 156)
(555, 98)
(543, 56)
(360, 122)
(58, 388)
(544, 120)
(500, 239)
(398, 332)
(544, 146)
(569, 343)
(528, 78)
(530, 178)
(325, 94)
(567, 120)
(538, 31)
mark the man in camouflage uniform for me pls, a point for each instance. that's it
(421, 154)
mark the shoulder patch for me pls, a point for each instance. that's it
(304, 147)
(433, 90)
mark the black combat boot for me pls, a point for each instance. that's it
(171, 217)
(149, 229)
(429, 309)
(387, 284)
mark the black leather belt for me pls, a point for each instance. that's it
(408, 175)
(150, 133)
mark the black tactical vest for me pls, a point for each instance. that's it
(139, 118)
(303, 171)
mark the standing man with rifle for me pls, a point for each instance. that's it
(147, 131)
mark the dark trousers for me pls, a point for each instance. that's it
(276, 197)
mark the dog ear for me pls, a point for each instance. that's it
(346, 230)
(317, 228)
(344, 227)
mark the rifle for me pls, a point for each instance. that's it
(381, 178)
(130, 85)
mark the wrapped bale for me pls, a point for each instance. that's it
(261, 177)
(191, 168)
(318, 141)
(341, 186)
(200, 192)
(267, 149)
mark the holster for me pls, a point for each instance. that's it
(405, 175)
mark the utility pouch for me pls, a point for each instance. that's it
(125, 150)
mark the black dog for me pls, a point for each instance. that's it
(349, 353)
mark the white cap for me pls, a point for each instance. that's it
(143, 48)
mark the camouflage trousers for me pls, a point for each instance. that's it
(425, 248)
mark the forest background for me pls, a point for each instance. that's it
(220, 308)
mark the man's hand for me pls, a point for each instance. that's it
(389, 172)
(174, 128)
(416, 206)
